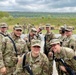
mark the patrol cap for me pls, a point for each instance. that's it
(61, 28)
(33, 30)
(40, 28)
(3, 25)
(69, 28)
(17, 27)
(54, 41)
(36, 42)
(47, 25)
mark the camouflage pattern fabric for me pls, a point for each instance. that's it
(28, 41)
(8, 54)
(70, 42)
(39, 65)
(61, 39)
(38, 36)
(48, 37)
(67, 55)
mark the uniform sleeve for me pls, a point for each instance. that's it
(72, 44)
(53, 36)
(1, 60)
(71, 62)
(1, 57)
(45, 69)
(19, 68)
(50, 63)
(26, 48)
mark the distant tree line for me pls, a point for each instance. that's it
(4, 14)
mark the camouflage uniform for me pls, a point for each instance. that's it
(69, 41)
(39, 64)
(29, 28)
(8, 54)
(24, 28)
(2, 34)
(28, 38)
(63, 36)
(66, 54)
(48, 36)
(3, 25)
(38, 33)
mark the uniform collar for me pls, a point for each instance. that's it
(34, 59)
(14, 36)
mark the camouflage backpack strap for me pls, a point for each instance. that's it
(26, 66)
(13, 44)
(29, 38)
(45, 49)
(23, 63)
(2, 34)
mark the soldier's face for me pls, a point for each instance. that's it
(68, 33)
(18, 32)
(35, 50)
(3, 29)
(56, 48)
(47, 28)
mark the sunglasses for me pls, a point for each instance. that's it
(36, 46)
(4, 27)
(68, 31)
(19, 30)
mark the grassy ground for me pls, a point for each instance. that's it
(40, 21)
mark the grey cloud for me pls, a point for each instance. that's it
(49, 3)
(37, 5)
(53, 4)
(2, 0)
(24, 2)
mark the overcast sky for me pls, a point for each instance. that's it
(38, 5)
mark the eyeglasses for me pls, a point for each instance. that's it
(36, 46)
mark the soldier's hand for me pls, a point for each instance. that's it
(19, 59)
(26, 39)
(50, 54)
(63, 68)
(3, 70)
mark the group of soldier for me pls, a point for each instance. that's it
(23, 56)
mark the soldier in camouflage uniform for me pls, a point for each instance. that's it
(63, 35)
(48, 36)
(29, 28)
(39, 31)
(69, 41)
(3, 30)
(38, 61)
(8, 58)
(65, 53)
(30, 36)
(24, 28)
